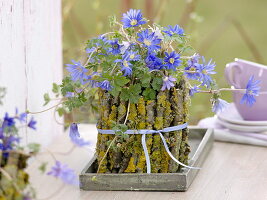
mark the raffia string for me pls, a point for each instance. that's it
(144, 132)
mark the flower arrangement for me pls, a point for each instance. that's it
(140, 74)
(139, 77)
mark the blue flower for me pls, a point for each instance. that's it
(115, 47)
(191, 72)
(8, 121)
(63, 172)
(149, 40)
(90, 50)
(1, 133)
(7, 143)
(204, 70)
(172, 60)
(75, 136)
(168, 82)
(105, 85)
(26, 197)
(193, 90)
(98, 46)
(127, 71)
(77, 71)
(193, 60)
(21, 117)
(219, 105)
(133, 55)
(126, 65)
(32, 124)
(252, 90)
(69, 94)
(74, 132)
(153, 62)
(132, 18)
(171, 30)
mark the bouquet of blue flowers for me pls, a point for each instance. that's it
(139, 76)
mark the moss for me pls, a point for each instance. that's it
(169, 109)
(132, 117)
(121, 112)
(131, 166)
(156, 155)
(103, 167)
(168, 117)
(176, 100)
(132, 148)
(141, 107)
(158, 123)
(113, 116)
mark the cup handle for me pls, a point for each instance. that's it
(229, 71)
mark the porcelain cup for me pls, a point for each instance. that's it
(237, 74)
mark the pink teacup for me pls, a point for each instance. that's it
(237, 74)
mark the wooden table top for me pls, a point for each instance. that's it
(231, 171)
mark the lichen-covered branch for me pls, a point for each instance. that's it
(126, 155)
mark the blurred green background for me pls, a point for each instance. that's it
(221, 30)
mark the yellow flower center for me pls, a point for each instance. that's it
(133, 22)
(125, 63)
(166, 78)
(147, 42)
(204, 71)
(171, 60)
(192, 69)
(250, 92)
(132, 56)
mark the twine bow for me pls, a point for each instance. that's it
(144, 132)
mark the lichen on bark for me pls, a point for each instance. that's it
(170, 108)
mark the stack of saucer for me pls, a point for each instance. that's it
(231, 119)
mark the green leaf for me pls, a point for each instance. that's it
(149, 94)
(55, 88)
(135, 89)
(46, 99)
(125, 94)
(2, 94)
(43, 167)
(112, 20)
(132, 93)
(61, 111)
(157, 83)
(67, 86)
(115, 91)
(145, 79)
(120, 81)
(34, 147)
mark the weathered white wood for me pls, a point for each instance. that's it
(30, 59)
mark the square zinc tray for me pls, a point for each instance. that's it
(200, 140)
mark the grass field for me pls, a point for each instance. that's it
(211, 27)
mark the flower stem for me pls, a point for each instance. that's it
(88, 60)
(29, 112)
(106, 153)
(128, 109)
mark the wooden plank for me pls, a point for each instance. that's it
(231, 171)
(31, 60)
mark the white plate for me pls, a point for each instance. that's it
(231, 115)
(242, 128)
